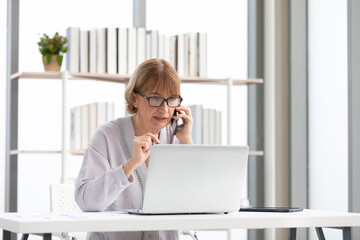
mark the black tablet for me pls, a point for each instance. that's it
(271, 209)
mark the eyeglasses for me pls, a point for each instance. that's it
(158, 101)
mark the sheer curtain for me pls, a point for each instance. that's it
(3, 7)
(328, 108)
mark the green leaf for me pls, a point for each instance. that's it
(48, 57)
(55, 45)
(59, 59)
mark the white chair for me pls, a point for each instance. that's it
(190, 233)
(62, 201)
(62, 198)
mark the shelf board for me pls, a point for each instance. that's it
(101, 77)
(36, 75)
(251, 153)
(73, 152)
(256, 153)
(125, 78)
(16, 152)
(248, 81)
(81, 152)
(221, 81)
(77, 152)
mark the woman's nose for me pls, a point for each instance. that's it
(164, 107)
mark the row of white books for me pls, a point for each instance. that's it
(121, 50)
(207, 125)
(84, 121)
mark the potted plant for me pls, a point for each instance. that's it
(52, 50)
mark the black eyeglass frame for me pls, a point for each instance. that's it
(163, 100)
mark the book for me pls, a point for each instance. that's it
(84, 51)
(202, 54)
(85, 120)
(164, 43)
(205, 126)
(111, 49)
(122, 51)
(101, 34)
(161, 46)
(101, 113)
(218, 128)
(166, 48)
(148, 45)
(212, 124)
(154, 44)
(93, 51)
(141, 45)
(180, 53)
(172, 51)
(196, 112)
(110, 111)
(92, 119)
(131, 32)
(192, 54)
(75, 134)
(84, 126)
(72, 128)
(186, 55)
(73, 54)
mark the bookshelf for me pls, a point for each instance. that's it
(122, 79)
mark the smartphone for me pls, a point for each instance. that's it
(271, 209)
(176, 125)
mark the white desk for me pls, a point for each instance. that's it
(119, 221)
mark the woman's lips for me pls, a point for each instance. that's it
(160, 119)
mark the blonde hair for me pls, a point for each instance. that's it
(156, 75)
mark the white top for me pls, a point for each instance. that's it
(102, 185)
(120, 221)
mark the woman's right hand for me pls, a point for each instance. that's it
(141, 152)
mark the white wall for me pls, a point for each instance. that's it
(328, 115)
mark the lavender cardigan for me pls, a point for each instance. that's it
(102, 185)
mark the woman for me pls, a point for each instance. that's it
(113, 173)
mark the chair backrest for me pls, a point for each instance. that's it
(62, 198)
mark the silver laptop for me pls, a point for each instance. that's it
(194, 179)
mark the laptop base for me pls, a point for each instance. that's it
(140, 212)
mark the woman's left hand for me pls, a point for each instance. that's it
(184, 130)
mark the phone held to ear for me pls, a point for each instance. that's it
(176, 124)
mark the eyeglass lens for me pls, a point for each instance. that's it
(157, 101)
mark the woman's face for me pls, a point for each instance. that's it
(153, 117)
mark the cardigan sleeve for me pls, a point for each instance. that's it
(99, 184)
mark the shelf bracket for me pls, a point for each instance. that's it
(65, 129)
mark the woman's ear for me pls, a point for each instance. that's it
(134, 99)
